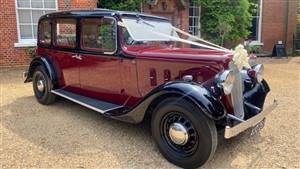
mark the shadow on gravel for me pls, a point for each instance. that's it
(68, 128)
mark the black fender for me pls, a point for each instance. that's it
(47, 63)
(194, 92)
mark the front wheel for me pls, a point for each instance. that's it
(42, 86)
(184, 135)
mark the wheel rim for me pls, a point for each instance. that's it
(40, 85)
(179, 134)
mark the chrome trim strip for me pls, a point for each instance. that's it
(79, 102)
(83, 104)
(235, 118)
(233, 131)
(113, 108)
(252, 106)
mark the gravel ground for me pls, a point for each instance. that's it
(66, 135)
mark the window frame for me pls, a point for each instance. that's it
(192, 6)
(29, 42)
(258, 41)
(91, 49)
(38, 33)
(54, 33)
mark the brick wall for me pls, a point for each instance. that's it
(8, 36)
(178, 16)
(174, 11)
(274, 20)
(273, 24)
(12, 56)
(76, 4)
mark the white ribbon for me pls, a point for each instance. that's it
(240, 55)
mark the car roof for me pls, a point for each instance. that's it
(98, 12)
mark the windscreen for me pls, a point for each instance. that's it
(140, 31)
(149, 30)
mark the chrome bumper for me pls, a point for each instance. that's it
(233, 131)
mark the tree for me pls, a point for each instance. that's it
(224, 19)
(125, 5)
(224, 29)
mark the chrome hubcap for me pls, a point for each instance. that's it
(40, 85)
(178, 134)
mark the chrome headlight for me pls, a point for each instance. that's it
(259, 69)
(225, 81)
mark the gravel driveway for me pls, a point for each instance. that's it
(66, 135)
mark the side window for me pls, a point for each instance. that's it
(45, 32)
(65, 33)
(98, 34)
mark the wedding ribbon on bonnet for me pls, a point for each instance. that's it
(240, 57)
(240, 54)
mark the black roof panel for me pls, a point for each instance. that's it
(97, 11)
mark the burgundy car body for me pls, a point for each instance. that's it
(133, 77)
(190, 94)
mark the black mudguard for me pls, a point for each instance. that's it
(194, 92)
(41, 61)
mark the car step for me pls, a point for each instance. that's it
(96, 105)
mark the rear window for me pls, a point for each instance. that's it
(45, 32)
(98, 34)
(65, 33)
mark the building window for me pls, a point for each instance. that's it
(194, 19)
(28, 13)
(256, 12)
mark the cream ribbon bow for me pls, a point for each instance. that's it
(240, 57)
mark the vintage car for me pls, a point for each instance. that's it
(132, 66)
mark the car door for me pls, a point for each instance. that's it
(99, 69)
(64, 53)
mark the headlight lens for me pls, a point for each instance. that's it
(259, 69)
(226, 80)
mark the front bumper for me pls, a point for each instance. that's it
(251, 122)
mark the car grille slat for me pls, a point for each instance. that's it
(237, 93)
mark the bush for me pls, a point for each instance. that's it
(31, 52)
(255, 49)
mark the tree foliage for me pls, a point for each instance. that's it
(217, 15)
(125, 5)
(220, 19)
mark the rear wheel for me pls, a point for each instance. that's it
(184, 135)
(42, 86)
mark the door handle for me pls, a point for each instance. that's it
(77, 56)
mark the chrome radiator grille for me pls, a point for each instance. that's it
(237, 93)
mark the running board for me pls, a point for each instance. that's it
(96, 105)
